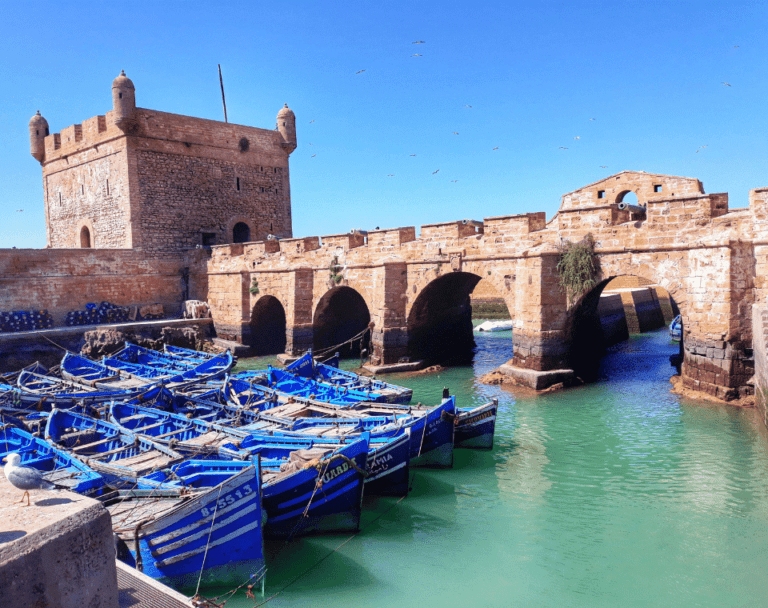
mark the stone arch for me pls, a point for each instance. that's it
(241, 233)
(267, 326)
(584, 332)
(622, 195)
(440, 319)
(246, 223)
(339, 315)
(85, 236)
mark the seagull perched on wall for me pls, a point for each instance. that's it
(26, 478)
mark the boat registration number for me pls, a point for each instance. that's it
(227, 500)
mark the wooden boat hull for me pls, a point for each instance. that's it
(218, 532)
(312, 501)
(56, 465)
(475, 427)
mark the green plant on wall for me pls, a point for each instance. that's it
(254, 289)
(578, 267)
(335, 270)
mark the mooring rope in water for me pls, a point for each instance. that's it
(208, 542)
(322, 559)
(322, 352)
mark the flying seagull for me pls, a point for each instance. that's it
(391, 175)
(577, 137)
(359, 71)
(455, 133)
(419, 42)
(563, 148)
(313, 156)
(26, 478)
(433, 172)
(413, 155)
(591, 119)
(311, 121)
(603, 166)
(467, 106)
(19, 210)
(415, 55)
(453, 181)
(726, 84)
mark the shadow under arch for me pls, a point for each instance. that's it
(340, 315)
(440, 320)
(590, 332)
(268, 326)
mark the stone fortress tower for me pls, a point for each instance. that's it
(149, 180)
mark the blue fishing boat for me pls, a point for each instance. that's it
(230, 432)
(113, 373)
(51, 392)
(114, 452)
(186, 353)
(211, 530)
(676, 328)
(133, 353)
(57, 465)
(187, 435)
(431, 430)
(300, 386)
(328, 372)
(304, 491)
(475, 427)
(316, 490)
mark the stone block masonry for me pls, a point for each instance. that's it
(58, 552)
(61, 280)
(161, 182)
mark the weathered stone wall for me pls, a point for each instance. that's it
(164, 182)
(85, 183)
(707, 257)
(61, 280)
(760, 333)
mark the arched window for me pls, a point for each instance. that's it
(85, 238)
(241, 233)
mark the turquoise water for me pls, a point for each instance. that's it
(613, 494)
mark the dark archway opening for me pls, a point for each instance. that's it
(440, 321)
(341, 314)
(85, 238)
(609, 314)
(241, 233)
(268, 326)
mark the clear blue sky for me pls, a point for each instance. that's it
(535, 74)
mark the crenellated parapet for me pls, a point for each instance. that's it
(709, 257)
(163, 182)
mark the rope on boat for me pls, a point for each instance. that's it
(324, 351)
(208, 542)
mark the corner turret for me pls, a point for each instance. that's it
(286, 124)
(123, 101)
(38, 130)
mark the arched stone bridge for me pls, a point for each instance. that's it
(710, 258)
